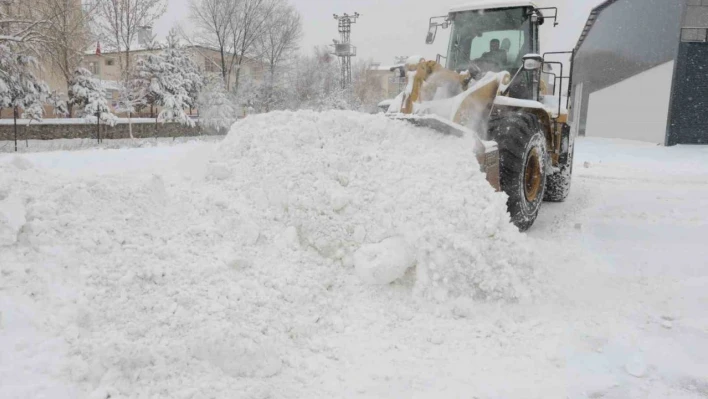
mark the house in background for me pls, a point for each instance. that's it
(641, 72)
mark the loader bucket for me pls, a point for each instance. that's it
(469, 108)
(461, 115)
(486, 152)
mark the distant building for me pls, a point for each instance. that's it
(641, 72)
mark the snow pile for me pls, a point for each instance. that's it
(378, 194)
(159, 283)
(247, 276)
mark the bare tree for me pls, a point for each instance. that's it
(367, 87)
(67, 34)
(213, 20)
(250, 22)
(279, 40)
(21, 25)
(233, 27)
(119, 21)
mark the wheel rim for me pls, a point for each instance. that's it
(532, 176)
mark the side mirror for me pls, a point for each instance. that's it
(537, 18)
(432, 32)
(533, 62)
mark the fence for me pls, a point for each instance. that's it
(83, 134)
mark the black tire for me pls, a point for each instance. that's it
(558, 183)
(523, 159)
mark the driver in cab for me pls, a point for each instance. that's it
(495, 53)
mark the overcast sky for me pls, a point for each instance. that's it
(389, 28)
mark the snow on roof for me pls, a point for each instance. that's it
(489, 4)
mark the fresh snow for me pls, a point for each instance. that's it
(257, 268)
(70, 121)
(31, 146)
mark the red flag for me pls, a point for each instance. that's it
(98, 49)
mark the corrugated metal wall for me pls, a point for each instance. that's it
(628, 37)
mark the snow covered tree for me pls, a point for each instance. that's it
(176, 56)
(86, 91)
(145, 78)
(250, 95)
(98, 105)
(81, 84)
(216, 108)
(180, 84)
(170, 81)
(67, 34)
(58, 103)
(315, 82)
(131, 98)
(19, 87)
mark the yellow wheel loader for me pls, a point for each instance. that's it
(498, 85)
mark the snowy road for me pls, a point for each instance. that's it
(639, 211)
(625, 315)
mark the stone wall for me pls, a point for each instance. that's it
(84, 131)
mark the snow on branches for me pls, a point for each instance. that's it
(88, 92)
(216, 109)
(19, 87)
(58, 104)
(171, 81)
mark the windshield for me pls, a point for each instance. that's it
(493, 40)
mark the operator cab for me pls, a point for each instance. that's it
(492, 40)
(492, 36)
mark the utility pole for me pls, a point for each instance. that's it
(343, 47)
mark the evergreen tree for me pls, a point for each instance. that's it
(170, 80)
(145, 80)
(19, 87)
(59, 104)
(131, 99)
(187, 70)
(86, 91)
(216, 109)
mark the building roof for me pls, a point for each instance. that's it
(591, 21)
(489, 4)
(141, 49)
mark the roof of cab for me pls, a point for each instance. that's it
(472, 5)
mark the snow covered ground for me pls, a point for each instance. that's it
(167, 272)
(8, 146)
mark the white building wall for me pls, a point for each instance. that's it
(634, 109)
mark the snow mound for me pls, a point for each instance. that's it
(241, 278)
(380, 195)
